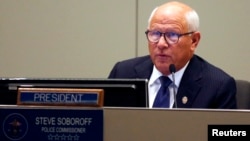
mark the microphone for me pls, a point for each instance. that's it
(172, 71)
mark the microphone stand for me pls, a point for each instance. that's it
(172, 70)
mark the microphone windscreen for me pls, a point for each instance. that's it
(172, 68)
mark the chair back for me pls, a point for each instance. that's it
(243, 94)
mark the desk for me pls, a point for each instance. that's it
(166, 125)
(139, 124)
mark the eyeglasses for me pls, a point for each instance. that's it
(170, 37)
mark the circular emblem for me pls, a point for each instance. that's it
(15, 126)
(184, 100)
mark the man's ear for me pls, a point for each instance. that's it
(196, 38)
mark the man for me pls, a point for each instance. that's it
(173, 36)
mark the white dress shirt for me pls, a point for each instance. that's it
(155, 84)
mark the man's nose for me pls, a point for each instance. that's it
(162, 43)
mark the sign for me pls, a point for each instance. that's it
(60, 96)
(49, 124)
(238, 132)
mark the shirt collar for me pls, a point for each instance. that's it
(156, 74)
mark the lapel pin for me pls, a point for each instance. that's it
(184, 99)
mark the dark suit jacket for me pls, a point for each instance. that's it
(205, 85)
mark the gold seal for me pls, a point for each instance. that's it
(184, 99)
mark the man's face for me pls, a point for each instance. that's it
(164, 53)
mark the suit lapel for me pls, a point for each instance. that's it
(144, 69)
(190, 84)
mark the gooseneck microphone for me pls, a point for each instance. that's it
(172, 71)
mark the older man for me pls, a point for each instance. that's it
(173, 36)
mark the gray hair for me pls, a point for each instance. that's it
(151, 16)
(192, 19)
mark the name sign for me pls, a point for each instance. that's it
(60, 96)
(33, 124)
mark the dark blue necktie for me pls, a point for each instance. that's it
(162, 98)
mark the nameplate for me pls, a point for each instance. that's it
(60, 96)
(40, 124)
